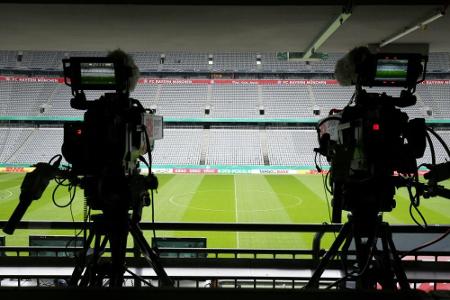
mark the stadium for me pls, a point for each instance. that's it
(242, 200)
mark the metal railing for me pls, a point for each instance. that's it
(426, 262)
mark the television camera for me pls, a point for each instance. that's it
(104, 152)
(372, 148)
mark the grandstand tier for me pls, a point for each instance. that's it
(204, 98)
(33, 107)
(217, 146)
(180, 61)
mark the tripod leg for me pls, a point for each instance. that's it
(396, 261)
(92, 276)
(150, 254)
(344, 254)
(364, 255)
(313, 283)
(386, 274)
(81, 261)
(117, 241)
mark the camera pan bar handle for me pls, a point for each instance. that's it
(17, 215)
(33, 185)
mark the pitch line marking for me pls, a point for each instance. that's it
(7, 196)
(173, 201)
(236, 210)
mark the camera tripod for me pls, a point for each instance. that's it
(89, 271)
(374, 266)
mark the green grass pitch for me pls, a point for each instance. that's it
(387, 74)
(220, 198)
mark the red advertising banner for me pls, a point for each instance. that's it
(237, 81)
(173, 81)
(306, 82)
(31, 79)
(243, 81)
(180, 81)
(195, 171)
(436, 82)
(15, 170)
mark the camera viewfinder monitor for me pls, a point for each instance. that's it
(97, 73)
(400, 70)
(94, 73)
(392, 69)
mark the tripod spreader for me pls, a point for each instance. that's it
(365, 232)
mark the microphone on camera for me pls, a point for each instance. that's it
(349, 67)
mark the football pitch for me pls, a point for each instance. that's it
(241, 198)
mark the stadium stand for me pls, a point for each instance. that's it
(437, 98)
(41, 145)
(439, 62)
(224, 101)
(234, 147)
(328, 97)
(184, 146)
(326, 65)
(59, 102)
(24, 99)
(176, 61)
(12, 139)
(287, 101)
(182, 61)
(179, 147)
(291, 147)
(234, 101)
(180, 100)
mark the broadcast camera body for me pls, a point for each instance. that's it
(116, 131)
(104, 151)
(373, 147)
(369, 141)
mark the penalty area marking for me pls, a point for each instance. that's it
(5, 194)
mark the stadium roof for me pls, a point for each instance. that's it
(276, 26)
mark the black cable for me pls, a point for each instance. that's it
(152, 202)
(328, 180)
(366, 265)
(149, 165)
(438, 137)
(72, 196)
(415, 205)
(324, 182)
(347, 276)
(72, 217)
(153, 216)
(149, 150)
(430, 143)
(416, 183)
(425, 224)
(318, 168)
(87, 220)
(351, 99)
(76, 234)
(328, 119)
(59, 158)
(140, 278)
(427, 244)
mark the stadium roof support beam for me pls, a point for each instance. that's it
(325, 35)
(408, 30)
